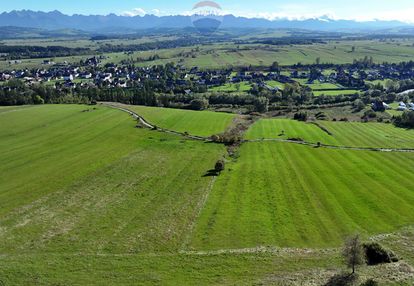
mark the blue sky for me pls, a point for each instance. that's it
(349, 9)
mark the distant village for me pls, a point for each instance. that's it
(92, 72)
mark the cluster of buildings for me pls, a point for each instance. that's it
(92, 72)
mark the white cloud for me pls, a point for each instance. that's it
(295, 12)
(141, 12)
(155, 12)
(134, 12)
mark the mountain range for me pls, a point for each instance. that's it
(55, 20)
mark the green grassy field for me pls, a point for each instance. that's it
(335, 92)
(290, 195)
(353, 134)
(323, 85)
(232, 87)
(225, 54)
(201, 123)
(86, 198)
(274, 83)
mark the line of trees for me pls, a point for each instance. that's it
(19, 52)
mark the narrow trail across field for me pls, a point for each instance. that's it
(146, 124)
(199, 209)
(399, 150)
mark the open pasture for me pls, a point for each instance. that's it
(224, 55)
(201, 123)
(292, 195)
(335, 92)
(336, 52)
(232, 87)
(87, 198)
(352, 134)
(89, 182)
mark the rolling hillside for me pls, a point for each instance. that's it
(86, 198)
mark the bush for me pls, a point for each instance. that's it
(376, 254)
(358, 105)
(406, 120)
(369, 114)
(38, 100)
(370, 282)
(301, 116)
(220, 165)
(215, 138)
(199, 104)
(261, 104)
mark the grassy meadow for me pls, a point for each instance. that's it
(201, 123)
(90, 182)
(232, 87)
(353, 134)
(292, 195)
(86, 198)
(223, 55)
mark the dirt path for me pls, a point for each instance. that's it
(199, 209)
(146, 124)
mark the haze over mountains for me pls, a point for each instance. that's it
(95, 23)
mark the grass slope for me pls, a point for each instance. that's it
(87, 199)
(354, 134)
(290, 195)
(90, 182)
(202, 123)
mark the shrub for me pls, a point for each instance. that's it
(369, 114)
(38, 100)
(261, 104)
(358, 105)
(376, 254)
(370, 282)
(199, 104)
(297, 139)
(220, 165)
(406, 120)
(301, 116)
(215, 138)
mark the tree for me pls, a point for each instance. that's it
(275, 67)
(359, 105)
(406, 120)
(199, 104)
(261, 104)
(318, 61)
(353, 253)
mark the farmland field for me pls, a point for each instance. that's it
(232, 87)
(290, 195)
(274, 83)
(353, 134)
(201, 123)
(87, 198)
(225, 54)
(335, 92)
